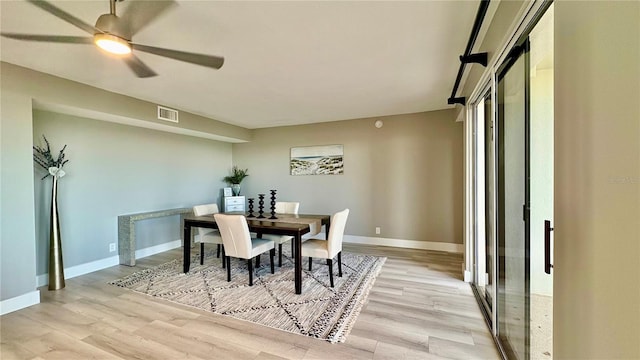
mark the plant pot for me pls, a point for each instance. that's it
(236, 189)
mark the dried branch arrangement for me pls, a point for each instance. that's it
(42, 156)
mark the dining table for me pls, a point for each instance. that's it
(295, 225)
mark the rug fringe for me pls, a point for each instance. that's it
(345, 328)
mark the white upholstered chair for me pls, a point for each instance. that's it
(283, 207)
(204, 235)
(239, 244)
(328, 249)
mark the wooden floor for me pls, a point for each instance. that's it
(419, 308)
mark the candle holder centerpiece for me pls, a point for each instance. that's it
(250, 207)
(273, 205)
(261, 206)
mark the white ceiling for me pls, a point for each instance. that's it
(285, 62)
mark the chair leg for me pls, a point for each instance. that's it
(250, 262)
(279, 255)
(223, 257)
(272, 254)
(340, 264)
(218, 252)
(330, 263)
(228, 268)
(257, 261)
(201, 253)
(310, 263)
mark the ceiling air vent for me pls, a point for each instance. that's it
(167, 114)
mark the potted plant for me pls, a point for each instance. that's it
(236, 177)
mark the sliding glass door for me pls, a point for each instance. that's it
(513, 195)
(513, 203)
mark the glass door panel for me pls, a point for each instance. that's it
(513, 247)
(541, 165)
(484, 202)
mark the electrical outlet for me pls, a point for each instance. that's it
(112, 247)
(377, 230)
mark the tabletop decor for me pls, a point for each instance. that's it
(251, 200)
(42, 156)
(273, 205)
(236, 177)
(261, 206)
(320, 311)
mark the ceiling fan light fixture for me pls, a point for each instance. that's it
(112, 44)
(113, 34)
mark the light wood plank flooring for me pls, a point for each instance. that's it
(419, 308)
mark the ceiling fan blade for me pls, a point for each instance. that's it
(138, 67)
(50, 38)
(57, 12)
(141, 13)
(193, 58)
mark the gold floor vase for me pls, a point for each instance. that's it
(56, 268)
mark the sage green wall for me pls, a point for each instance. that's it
(66, 94)
(596, 310)
(405, 177)
(20, 89)
(17, 229)
(118, 169)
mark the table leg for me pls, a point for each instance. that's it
(187, 248)
(298, 263)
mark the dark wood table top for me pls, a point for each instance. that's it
(266, 225)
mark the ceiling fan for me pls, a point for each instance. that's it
(114, 33)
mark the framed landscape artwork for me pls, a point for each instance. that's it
(317, 160)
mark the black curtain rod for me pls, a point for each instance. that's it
(482, 11)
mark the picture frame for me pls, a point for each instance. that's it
(317, 160)
(227, 191)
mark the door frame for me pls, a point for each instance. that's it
(488, 310)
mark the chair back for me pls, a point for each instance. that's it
(235, 235)
(202, 210)
(283, 207)
(207, 209)
(336, 232)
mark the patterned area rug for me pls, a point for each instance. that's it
(320, 311)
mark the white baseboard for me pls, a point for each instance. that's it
(152, 250)
(467, 276)
(81, 269)
(19, 302)
(90, 267)
(409, 244)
